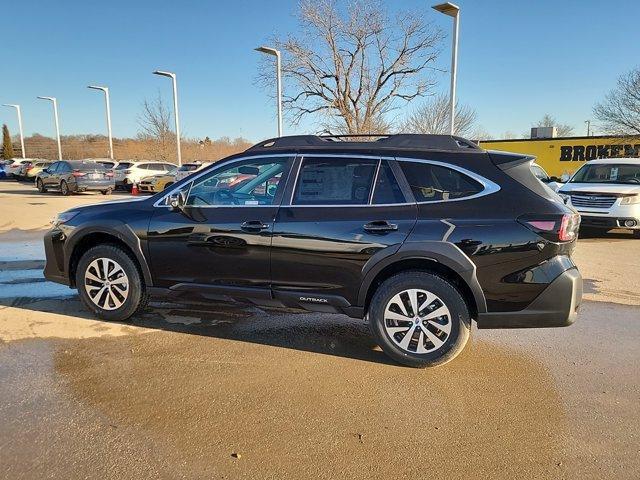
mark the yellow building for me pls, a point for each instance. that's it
(565, 155)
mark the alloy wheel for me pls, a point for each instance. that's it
(106, 283)
(417, 321)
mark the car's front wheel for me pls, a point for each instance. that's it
(109, 283)
(419, 319)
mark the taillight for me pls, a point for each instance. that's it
(29, 167)
(557, 228)
(77, 173)
(569, 227)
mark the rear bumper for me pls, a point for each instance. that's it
(94, 186)
(556, 306)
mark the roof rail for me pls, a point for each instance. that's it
(405, 140)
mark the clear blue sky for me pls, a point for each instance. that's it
(518, 60)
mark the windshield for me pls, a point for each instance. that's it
(189, 167)
(87, 166)
(123, 165)
(618, 173)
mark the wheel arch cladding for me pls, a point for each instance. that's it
(442, 258)
(119, 235)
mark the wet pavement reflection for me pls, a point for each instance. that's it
(309, 395)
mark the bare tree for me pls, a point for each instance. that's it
(155, 128)
(619, 112)
(433, 117)
(562, 129)
(350, 64)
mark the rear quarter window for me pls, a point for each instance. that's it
(432, 183)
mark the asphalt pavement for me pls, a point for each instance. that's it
(230, 391)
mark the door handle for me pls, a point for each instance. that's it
(380, 226)
(254, 226)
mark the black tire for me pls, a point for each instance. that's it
(64, 189)
(40, 186)
(107, 191)
(460, 320)
(137, 297)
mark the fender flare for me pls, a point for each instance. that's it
(445, 253)
(117, 229)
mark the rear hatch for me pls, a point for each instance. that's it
(558, 222)
(91, 172)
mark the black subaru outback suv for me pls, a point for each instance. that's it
(418, 234)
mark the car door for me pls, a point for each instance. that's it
(50, 179)
(63, 172)
(220, 240)
(341, 212)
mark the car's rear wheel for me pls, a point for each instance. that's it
(40, 186)
(64, 188)
(107, 191)
(109, 283)
(419, 319)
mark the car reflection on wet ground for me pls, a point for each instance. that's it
(228, 391)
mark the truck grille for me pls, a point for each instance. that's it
(592, 201)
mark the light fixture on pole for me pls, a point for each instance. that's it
(55, 116)
(17, 107)
(276, 53)
(172, 76)
(452, 11)
(107, 103)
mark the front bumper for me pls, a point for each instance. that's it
(54, 268)
(556, 306)
(601, 221)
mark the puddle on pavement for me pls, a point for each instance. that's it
(205, 396)
(29, 283)
(28, 249)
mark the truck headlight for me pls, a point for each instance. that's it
(630, 200)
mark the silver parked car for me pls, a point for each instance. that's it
(72, 176)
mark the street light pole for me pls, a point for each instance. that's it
(107, 103)
(588, 122)
(55, 116)
(176, 116)
(17, 107)
(276, 53)
(452, 11)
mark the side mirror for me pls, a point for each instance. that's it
(46, 170)
(177, 201)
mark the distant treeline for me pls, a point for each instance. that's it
(140, 148)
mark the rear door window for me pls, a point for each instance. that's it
(432, 183)
(335, 181)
